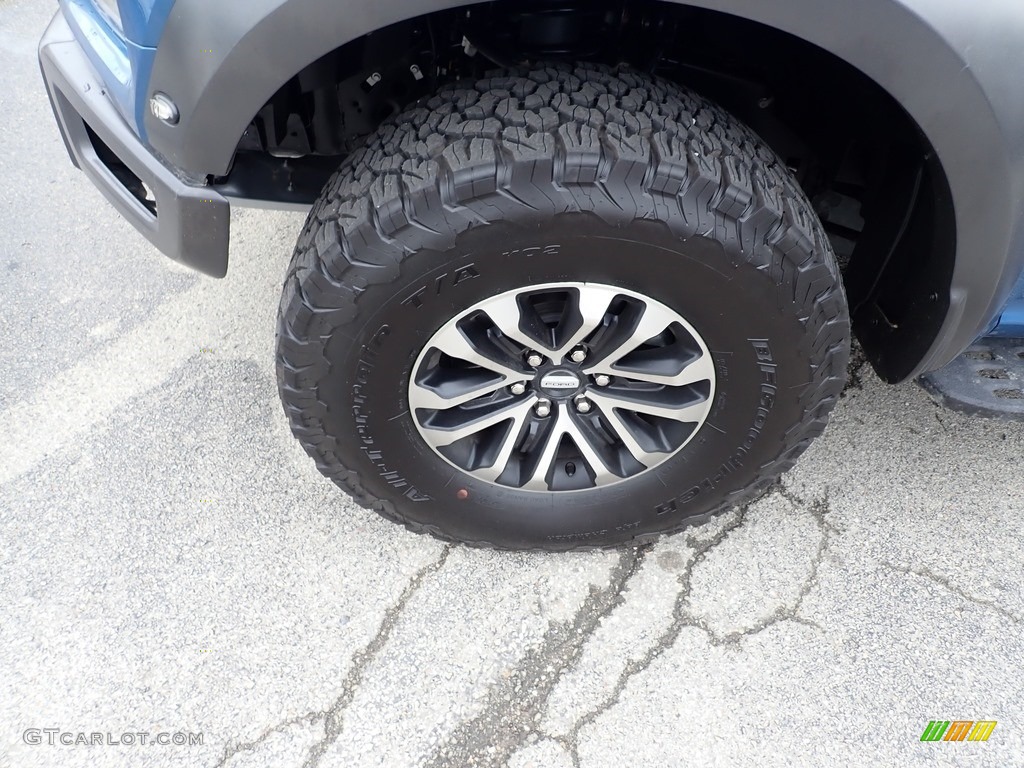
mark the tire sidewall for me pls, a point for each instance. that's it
(757, 342)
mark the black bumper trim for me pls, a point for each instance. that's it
(191, 224)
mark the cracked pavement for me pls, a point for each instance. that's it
(172, 561)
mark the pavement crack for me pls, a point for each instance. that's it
(941, 422)
(247, 746)
(949, 586)
(819, 510)
(515, 705)
(683, 618)
(680, 619)
(334, 716)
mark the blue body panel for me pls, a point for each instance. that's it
(123, 58)
(144, 20)
(1010, 323)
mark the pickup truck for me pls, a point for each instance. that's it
(577, 273)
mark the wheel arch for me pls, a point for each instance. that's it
(943, 63)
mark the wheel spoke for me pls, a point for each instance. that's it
(701, 369)
(653, 321)
(593, 306)
(505, 313)
(564, 425)
(624, 434)
(538, 480)
(422, 397)
(455, 344)
(440, 437)
(603, 473)
(508, 445)
(650, 404)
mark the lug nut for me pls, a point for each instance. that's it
(602, 380)
(582, 404)
(518, 388)
(542, 408)
(578, 355)
(534, 360)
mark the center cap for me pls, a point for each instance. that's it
(560, 382)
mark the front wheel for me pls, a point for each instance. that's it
(561, 308)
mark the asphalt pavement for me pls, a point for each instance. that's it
(171, 562)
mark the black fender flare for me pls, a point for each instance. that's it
(947, 64)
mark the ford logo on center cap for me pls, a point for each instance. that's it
(560, 380)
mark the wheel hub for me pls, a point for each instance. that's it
(562, 387)
(560, 383)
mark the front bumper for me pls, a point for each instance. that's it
(188, 222)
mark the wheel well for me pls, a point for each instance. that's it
(874, 179)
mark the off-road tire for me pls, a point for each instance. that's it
(457, 198)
